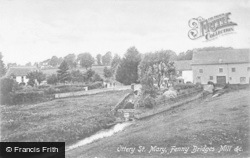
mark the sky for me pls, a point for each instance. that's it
(35, 30)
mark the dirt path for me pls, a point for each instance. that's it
(193, 130)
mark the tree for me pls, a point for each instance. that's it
(2, 66)
(60, 60)
(159, 64)
(127, 71)
(115, 61)
(147, 82)
(86, 60)
(77, 76)
(32, 79)
(63, 72)
(11, 65)
(54, 61)
(28, 64)
(35, 76)
(40, 76)
(106, 59)
(71, 60)
(108, 73)
(99, 58)
(52, 79)
(89, 75)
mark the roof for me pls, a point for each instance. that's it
(230, 56)
(181, 65)
(20, 71)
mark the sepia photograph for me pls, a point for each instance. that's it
(124, 78)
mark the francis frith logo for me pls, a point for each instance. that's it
(211, 28)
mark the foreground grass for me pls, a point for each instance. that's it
(64, 120)
(212, 123)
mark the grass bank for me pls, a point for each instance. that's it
(64, 120)
(186, 131)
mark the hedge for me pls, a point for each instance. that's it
(28, 97)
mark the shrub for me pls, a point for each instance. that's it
(27, 97)
(43, 86)
(97, 77)
(148, 102)
(184, 86)
(69, 88)
(89, 75)
(95, 85)
(129, 105)
(52, 90)
(7, 86)
(107, 72)
(52, 79)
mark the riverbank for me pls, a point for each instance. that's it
(214, 127)
(67, 120)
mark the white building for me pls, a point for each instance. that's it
(19, 73)
(184, 70)
(222, 66)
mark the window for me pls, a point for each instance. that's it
(220, 69)
(233, 69)
(248, 68)
(242, 79)
(198, 77)
(200, 70)
(230, 78)
(211, 77)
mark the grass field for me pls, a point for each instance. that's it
(97, 69)
(190, 130)
(64, 120)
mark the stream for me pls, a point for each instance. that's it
(99, 135)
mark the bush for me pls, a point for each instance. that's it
(52, 79)
(184, 86)
(149, 102)
(7, 86)
(95, 85)
(43, 86)
(129, 105)
(52, 90)
(27, 97)
(97, 77)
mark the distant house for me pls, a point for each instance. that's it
(222, 66)
(184, 70)
(19, 73)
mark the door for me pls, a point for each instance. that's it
(221, 80)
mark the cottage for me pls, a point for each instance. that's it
(222, 66)
(184, 70)
(20, 73)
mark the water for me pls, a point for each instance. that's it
(99, 135)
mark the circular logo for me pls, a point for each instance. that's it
(8, 149)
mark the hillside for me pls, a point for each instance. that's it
(217, 127)
(66, 120)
